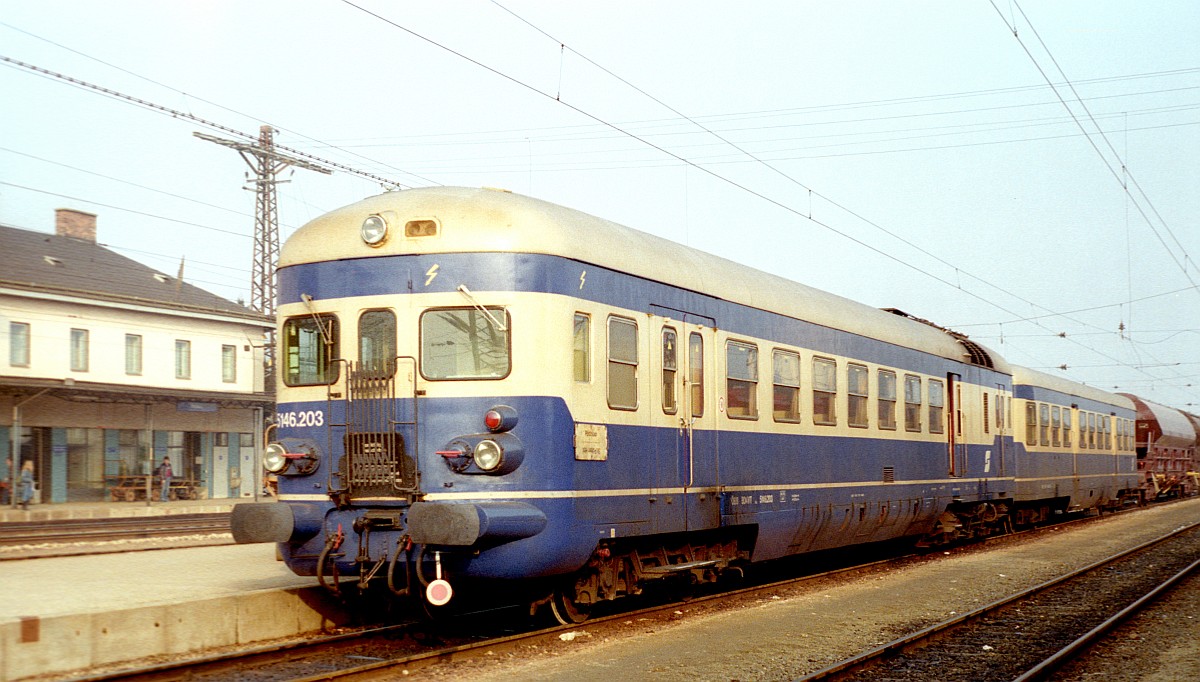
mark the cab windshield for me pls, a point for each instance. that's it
(465, 343)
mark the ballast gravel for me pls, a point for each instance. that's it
(805, 628)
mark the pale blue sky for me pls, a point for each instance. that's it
(921, 130)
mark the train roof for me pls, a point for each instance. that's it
(1031, 377)
(486, 220)
(1177, 430)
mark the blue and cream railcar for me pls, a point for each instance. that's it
(511, 389)
(1077, 450)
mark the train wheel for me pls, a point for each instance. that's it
(566, 610)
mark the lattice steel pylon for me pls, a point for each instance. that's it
(266, 164)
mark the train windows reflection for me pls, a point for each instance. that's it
(465, 343)
(310, 344)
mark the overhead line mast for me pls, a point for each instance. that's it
(266, 163)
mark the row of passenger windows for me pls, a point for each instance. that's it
(1051, 426)
(921, 398)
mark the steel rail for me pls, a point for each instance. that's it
(906, 642)
(1079, 646)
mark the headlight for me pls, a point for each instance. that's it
(274, 458)
(374, 230)
(488, 455)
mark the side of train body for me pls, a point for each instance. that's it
(479, 386)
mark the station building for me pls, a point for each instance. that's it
(107, 366)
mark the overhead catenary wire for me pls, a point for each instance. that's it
(557, 98)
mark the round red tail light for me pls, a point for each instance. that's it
(500, 418)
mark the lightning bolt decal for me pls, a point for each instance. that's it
(582, 278)
(431, 273)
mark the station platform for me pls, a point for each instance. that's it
(102, 510)
(77, 613)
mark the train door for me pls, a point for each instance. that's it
(1001, 429)
(956, 439)
(698, 438)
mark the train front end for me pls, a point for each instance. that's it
(402, 433)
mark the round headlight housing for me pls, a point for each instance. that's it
(374, 230)
(275, 458)
(488, 455)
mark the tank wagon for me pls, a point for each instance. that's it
(480, 387)
(1166, 450)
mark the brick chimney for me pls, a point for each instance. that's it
(75, 224)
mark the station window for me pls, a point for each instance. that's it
(670, 367)
(79, 350)
(377, 341)
(856, 387)
(465, 343)
(622, 363)
(310, 345)
(581, 347)
(18, 344)
(912, 402)
(183, 359)
(824, 391)
(229, 364)
(741, 380)
(133, 354)
(1030, 423)
(1055, 425)
(786, 396)
(696, 372)
(937, 407)
(887, 399)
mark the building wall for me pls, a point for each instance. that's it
(51, 320)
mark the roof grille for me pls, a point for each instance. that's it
(976, 354)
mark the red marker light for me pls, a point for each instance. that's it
(493, 420)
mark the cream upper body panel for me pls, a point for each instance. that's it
(483, 220)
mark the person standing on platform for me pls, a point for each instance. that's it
(5, 480)
(164, 471)
(26, 484)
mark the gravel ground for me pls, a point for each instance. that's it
(803, 629)
(1161, 644)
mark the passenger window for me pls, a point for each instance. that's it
(1091, 430)
(377, 341)
(786, 395)
(581, 347)
(1030, 423)
(1055, 424)
(622, 364)
(856, 386)
(696, 372)
(824, 391)
(310, 346)
(670, 364)
(741, 385)
(937, 406)
(887, 399)
(1066, 432)
(1044, 424)
(912, 402)
(465, 343)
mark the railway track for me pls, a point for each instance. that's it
(372, 652)
(1029, 635)
(64, 532)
